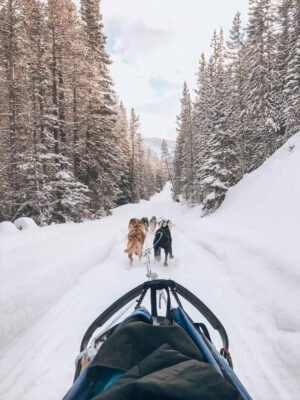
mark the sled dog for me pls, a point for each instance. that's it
(136, 238)
(145, 221)
(163, 240)
(152, 224)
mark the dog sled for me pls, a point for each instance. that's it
(146, 346)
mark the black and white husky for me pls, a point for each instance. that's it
(163, 240)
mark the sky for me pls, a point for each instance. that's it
(155, 46)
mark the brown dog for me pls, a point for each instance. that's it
(131, 223)
(136, 238)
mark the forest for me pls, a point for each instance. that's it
(68, 150)
(246, 103)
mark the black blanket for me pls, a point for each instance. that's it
(159, 362)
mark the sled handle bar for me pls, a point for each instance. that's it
(176, 289)
(154, 286)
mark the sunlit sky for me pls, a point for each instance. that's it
(155, 46)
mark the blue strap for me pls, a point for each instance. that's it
(181, 318)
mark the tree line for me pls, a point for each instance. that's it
(68, 151)
(246, 103)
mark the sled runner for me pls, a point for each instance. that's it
(144, 355)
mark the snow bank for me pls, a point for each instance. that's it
(38, 266)
(7, 227)
(25, 223)
(256, 234)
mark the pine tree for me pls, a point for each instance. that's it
(201, 124)
(292, 72)
(35, 200)
(167, 161)
(184, 156)
(122, 132)
(260, 103)
(140, 167)
(280, 72)
(70, 200)
(150, 177)
(134, 158)
(188, 153)
(220, 167)
(58, 113)
(100, 163)
(246, 104)
(13, 84)
(44, 41)
(236, 75)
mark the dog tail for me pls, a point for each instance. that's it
(130, 248)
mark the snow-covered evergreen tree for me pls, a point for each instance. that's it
(201, 124)
(70, 196)
(56, 90)
(100, 162)
(13, 83)
(122, 132)
(292, 70)
(148, 178)
(236, 75)
(167, 161)
(184, 159)
(220, 167)
(261, 116)
(134, 158)
(189, 158)
(246, 103)
(141, 167)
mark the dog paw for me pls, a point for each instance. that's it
(171, 256)
(165, 264)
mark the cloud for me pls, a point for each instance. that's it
(163, 106)
(133, 38)
(159, 115)
(161, 86)
(155, 46)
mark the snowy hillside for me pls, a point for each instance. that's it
(243, 262)
(154, 144)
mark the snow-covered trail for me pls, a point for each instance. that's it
(80, 269)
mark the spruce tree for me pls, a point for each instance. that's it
(184, 157)
(150, 178)
(236, 75)
(292, 73)
(13, 83)
(167, 161)
(259, 92)
(201, 124)
(221, 166)
(122, 132)
(100, 161)
(134, 158)
(70, 196)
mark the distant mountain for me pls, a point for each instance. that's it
(154, 144)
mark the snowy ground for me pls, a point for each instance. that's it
(243, 262)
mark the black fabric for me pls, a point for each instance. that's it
(135, 340)
(160, 362)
